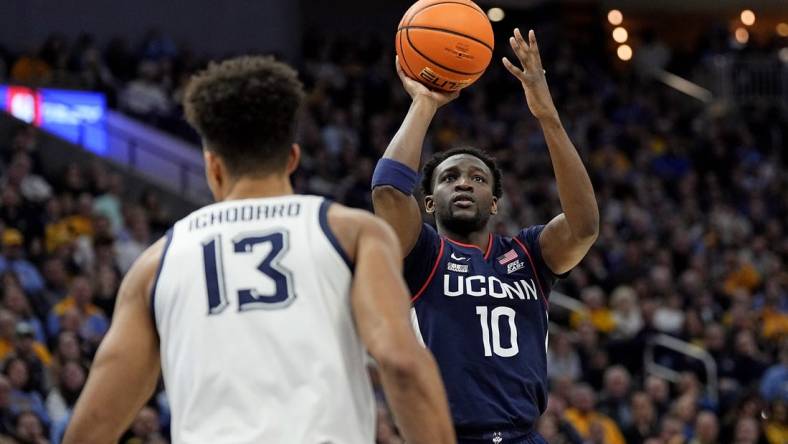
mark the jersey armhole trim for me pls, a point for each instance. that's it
(330, 234)
(536, 272)
(432, 273)
(152, 298)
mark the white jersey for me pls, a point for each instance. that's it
(258, 344)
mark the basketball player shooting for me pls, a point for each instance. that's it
(479, 300)
(260, 309)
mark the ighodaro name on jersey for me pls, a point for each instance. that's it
(458, 285)
(243, 213)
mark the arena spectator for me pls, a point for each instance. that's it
(55, 285)
(107, 284)
(108, 203)
(554, 427)
(32, 187)
(134, 240)
(626, 316)
(161, 220)
(776, 427)
(31, 69)
(15, 300)
(29, 429)
(706, 429)
(659, 393)
(614, 399)
(562, 359)
(555, 431)
(584, 418)
(671, 430)
(13, 259)
(35, 354)
(145, 97)
(644, 419)
(7, 334)
(67, 349)
(774, 384)
(91, 323)
(598, 313)
(6, 416)
(747, 431)
(63, 396)
(23, 397)
(145, 428)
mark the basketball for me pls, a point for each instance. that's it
(446, 45)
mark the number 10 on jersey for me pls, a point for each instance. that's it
(490, 324)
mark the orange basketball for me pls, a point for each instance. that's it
(445, 45)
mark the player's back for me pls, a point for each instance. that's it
(258, 342)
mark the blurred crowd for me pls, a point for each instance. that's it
(65, 243)
(693, 242)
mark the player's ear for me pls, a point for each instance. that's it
(429, 204)
(293, 158)
(494, 207)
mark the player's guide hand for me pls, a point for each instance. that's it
(532, 75)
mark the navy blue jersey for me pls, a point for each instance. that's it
(483, 314)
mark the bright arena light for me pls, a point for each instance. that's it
(783, 54)
(620, 34)
(495, 14)
(782, 29)
(742, 36)
(624, 52)
(615, 17)
(748, 17)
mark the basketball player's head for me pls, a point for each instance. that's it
(245, 111)
(461, 188)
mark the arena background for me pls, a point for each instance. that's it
(672, 329)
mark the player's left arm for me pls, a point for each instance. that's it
(567, 238)
(126, 368)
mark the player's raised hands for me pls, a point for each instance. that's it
(415, 89)
(531, 75)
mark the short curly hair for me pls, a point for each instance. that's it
(245, 110)
(429, 168)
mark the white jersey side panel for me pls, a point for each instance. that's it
(258, 344)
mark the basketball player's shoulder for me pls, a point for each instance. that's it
(143, 273)
(350, 224)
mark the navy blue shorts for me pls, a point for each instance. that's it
(502, 437)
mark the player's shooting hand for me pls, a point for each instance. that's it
(532, 75)
(416, 90)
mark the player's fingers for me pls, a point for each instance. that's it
(520, 40)
(517, 72)
(536, 57)
(519, 51)
(532, 40)
(523, 44)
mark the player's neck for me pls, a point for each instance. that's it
(478, 238)
(249, 188)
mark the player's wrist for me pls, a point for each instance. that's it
(550, 120)
(424, 99)
(425, 103)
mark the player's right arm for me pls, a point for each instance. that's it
(391, 191)
(380, 304)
